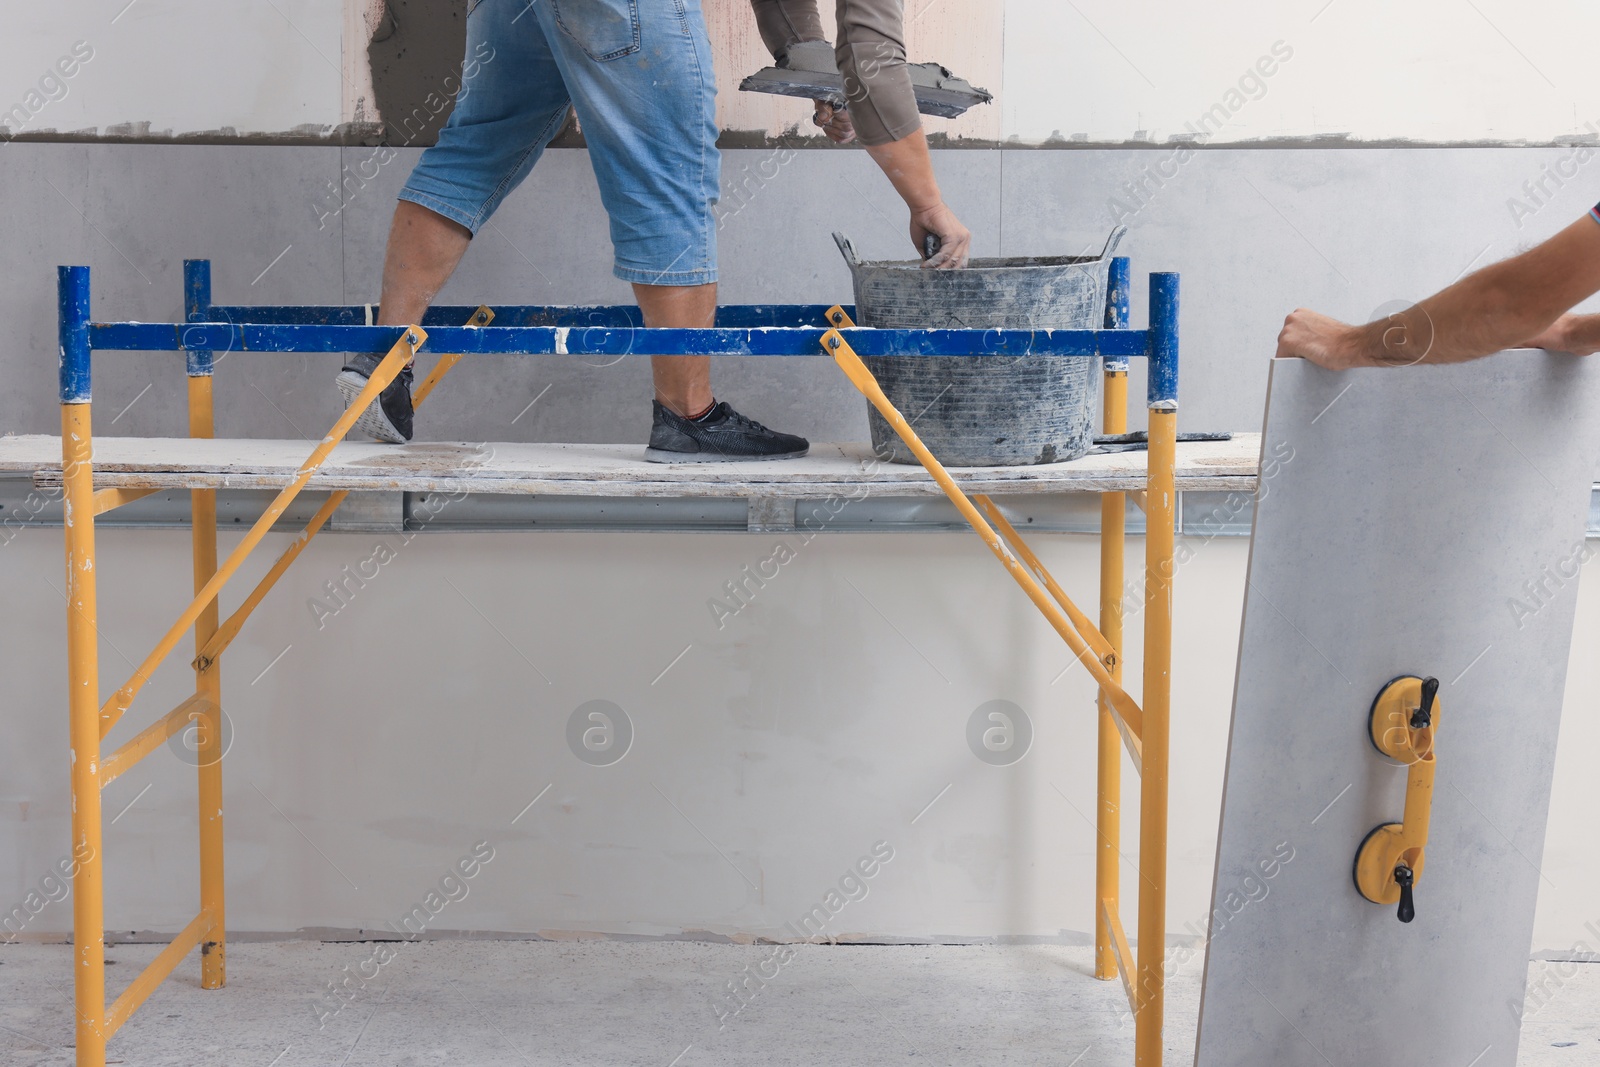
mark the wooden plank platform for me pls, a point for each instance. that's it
(597, 470)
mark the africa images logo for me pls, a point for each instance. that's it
(599, 733)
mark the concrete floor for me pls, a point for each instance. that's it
(654, 1003)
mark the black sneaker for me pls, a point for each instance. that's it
(721, 434)
(389, 418)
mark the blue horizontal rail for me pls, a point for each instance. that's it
(610, 341)
(730, 316)
(740, 330)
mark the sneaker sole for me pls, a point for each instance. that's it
(372, 421)
(656, 455)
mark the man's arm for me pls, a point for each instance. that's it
(881, 109)
(1519, 301)
(909, 167)
(786, 22)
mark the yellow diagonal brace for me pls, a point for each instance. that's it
(1130, 740)
(403, 352)
(230, 629)
(482, 317)
(1129, 727)
(1086, 629)
(157, 970)
(153, 736)
(107, 499)
(1119, 945)
(833, 341)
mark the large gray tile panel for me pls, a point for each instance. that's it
(1407, 512)
(1254, 233)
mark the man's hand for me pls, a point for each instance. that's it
(1554, 337)
(1324, 341)
(908, 165)
(834, 122)
(1578, 334)
(955, 240)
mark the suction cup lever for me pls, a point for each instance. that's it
(1422, 718)
(1405, 879)
(931, 243)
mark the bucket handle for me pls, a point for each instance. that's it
(847, 249)
(1112, 241)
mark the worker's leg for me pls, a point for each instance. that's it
(511, 102)
(424, 248)
(683, 383)
(641, 79)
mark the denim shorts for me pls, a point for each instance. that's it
(639, 74)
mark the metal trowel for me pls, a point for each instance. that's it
(808, 71)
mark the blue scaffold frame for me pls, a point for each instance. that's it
(1140, 727)
(741, 330)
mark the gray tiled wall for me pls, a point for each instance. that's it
(1254, 233)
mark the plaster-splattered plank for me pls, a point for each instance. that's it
(597, 470)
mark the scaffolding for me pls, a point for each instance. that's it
(1141, 727)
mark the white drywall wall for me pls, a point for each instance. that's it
(1097, 70)
(828, 715)
(1425, 70)
(182, 66)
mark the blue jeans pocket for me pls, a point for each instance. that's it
(604, 29)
